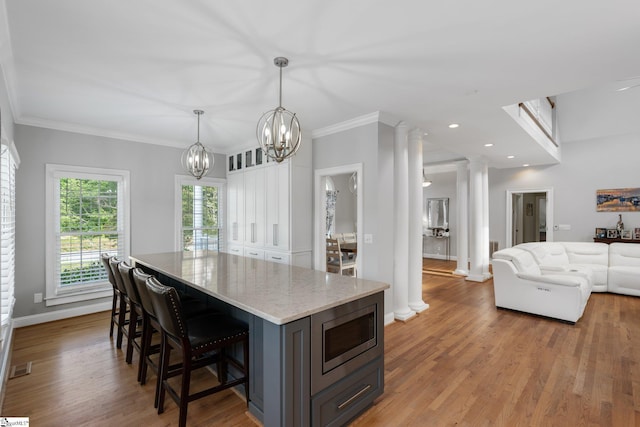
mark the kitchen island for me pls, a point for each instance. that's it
(316, 338)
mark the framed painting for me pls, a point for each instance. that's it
(618, 200)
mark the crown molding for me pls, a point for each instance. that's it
(88, 130)
(377, 116)
(7, 61)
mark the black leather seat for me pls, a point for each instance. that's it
(123, 301)
(192, 307)
(202, 340)
(105, 257)
(136, 313)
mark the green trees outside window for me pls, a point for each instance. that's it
(200, 220)
(88, 227)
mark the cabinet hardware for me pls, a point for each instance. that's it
(354, 397)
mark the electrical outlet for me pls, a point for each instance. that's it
(37, 298)
(368, 238)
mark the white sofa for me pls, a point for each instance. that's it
(555, 279)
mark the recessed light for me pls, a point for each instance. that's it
(526, 165)
(488, 145)
(453, 125)
(511, 157)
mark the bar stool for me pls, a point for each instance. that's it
(123, 309)
(136, 313)
(105, 257)
(202, 340)
(192, 307)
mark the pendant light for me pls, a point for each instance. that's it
(425, 182)
(278, 130)
(353, 182)
(196, 159)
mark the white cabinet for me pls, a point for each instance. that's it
(277, 211)
(279, 257)
(254, 205)
(269, 206)
(253, 253)
(235, 209)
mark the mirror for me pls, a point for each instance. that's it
(438, 213)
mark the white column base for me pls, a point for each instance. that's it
(404, 316)
(418, 306)
(479, 277)
(460, 272)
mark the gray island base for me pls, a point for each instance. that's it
(316, 338)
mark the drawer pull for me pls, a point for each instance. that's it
(354, 397)
(276, 257)
(253, 253)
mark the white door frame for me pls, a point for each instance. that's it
(319, 214)
(509, 216)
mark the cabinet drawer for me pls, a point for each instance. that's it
(254, 253)
(344, 400)
(234, 250)
(279, 257)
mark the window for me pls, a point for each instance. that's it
(199, 209)
(8, 164)
(88, 214)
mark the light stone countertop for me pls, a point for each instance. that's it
(278, 293)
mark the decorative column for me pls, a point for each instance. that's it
(416, 196)
(485, 222)
(476, 211)
(401, 225)
(462, 218)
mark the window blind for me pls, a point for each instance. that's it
(8, 167)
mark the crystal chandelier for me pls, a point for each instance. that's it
(196, 159)
(278, 131)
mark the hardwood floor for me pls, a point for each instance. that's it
(461, 362)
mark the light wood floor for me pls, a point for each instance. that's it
(461, 362)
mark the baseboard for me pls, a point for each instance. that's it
(389, 318)
(51, 316)
(439, 256)
(5, 362)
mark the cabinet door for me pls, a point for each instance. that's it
(277, 206)
(235, 209)
(254, 219)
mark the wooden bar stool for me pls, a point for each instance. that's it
(116, 293)
(202, 340)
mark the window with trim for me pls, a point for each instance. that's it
(199, 213)
(9, 161)
(87, 215)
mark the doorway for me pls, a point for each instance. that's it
(529, 216)
(347, 180)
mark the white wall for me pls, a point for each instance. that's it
(371, 145)
(587, 166)
(152, 167)
(443, 185)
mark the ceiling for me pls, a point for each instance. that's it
(136, 69)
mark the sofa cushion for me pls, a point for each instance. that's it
(522, 260)
(624, 254)
(624, 280)
(547, 254)
(587, 253)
